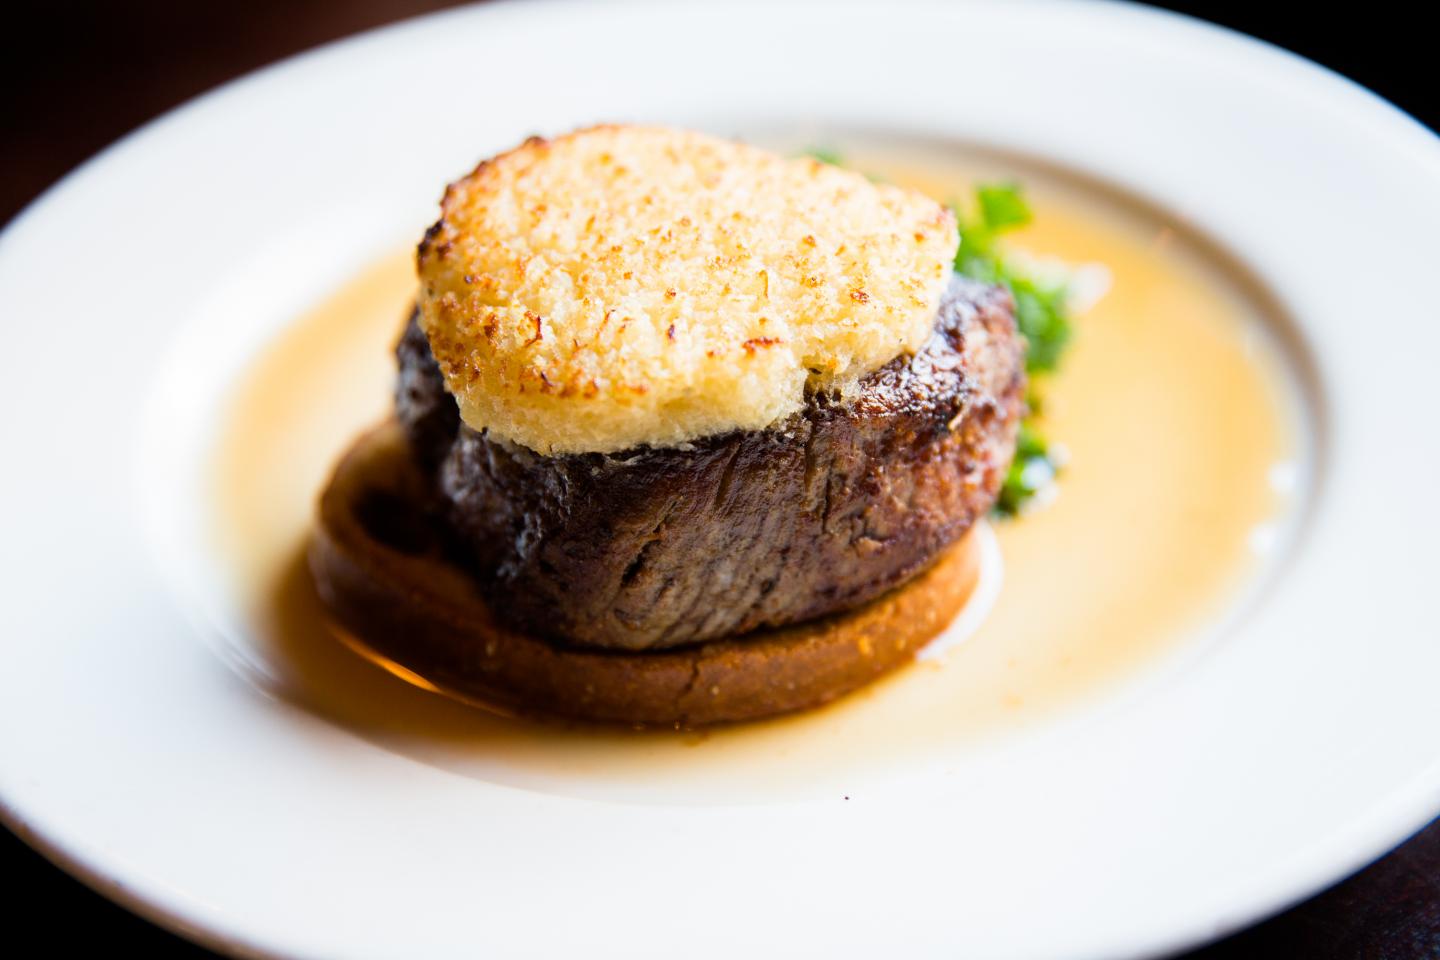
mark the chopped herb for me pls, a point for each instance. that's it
(824, 154)
(1040, 309)
(836, 159)
(1041, 314)
(1002, 206)
(1032, 470)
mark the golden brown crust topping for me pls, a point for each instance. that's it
(642, 285)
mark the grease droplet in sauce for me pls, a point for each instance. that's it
(1172, 404)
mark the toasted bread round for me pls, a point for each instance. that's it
(622, 285)
(379, 565)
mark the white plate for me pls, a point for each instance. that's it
(1303, 745)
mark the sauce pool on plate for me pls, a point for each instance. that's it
(1182, 436)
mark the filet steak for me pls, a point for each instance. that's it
(656, 548)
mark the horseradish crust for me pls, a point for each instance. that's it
(626, 286)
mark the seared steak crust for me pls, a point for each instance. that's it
(655, 548)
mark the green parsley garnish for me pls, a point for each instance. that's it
(1031, 471)
(836, 159)
(824, 154)
(1041, 314)
(1039, 307)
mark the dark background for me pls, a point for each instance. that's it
(76, 75)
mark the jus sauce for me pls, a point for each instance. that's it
(1181, 431)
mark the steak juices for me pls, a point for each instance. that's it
(685, 432)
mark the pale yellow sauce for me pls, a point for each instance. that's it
(1181, 433)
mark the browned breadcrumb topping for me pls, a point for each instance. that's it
(628, 285)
